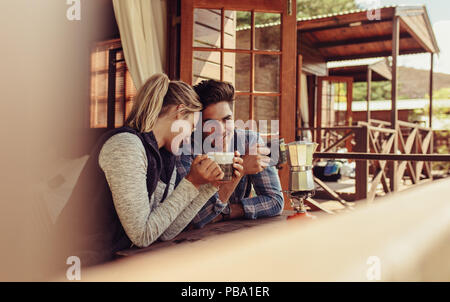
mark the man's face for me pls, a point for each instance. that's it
(220, 118)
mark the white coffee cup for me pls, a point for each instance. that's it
(225, 161)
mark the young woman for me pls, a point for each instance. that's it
(127, 193)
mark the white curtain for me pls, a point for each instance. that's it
(304, 101)
(304, 107)
(142, 26)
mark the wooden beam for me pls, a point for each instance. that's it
(358, 42)
(384, 156)
(288, 75)
(394, 181)
(339, 141)
(386, 53)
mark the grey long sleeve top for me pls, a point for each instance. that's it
(124, 162)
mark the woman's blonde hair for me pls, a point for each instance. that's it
(155, 96)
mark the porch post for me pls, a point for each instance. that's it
(369, 88)
(431, 92)
(393, 165)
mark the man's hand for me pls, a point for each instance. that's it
(204, 170)
(257, 160)
(238, 172)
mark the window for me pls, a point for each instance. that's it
(112, 89)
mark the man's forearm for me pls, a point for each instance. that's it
(227, 189)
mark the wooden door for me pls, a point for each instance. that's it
(251, 44)
(334, 104)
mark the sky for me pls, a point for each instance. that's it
(439, 13)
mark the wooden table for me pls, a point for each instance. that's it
(205, 233)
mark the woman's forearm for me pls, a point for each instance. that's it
(186, 216)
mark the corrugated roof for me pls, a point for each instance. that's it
(401, 104)
(347, 12)
(359, 62)
(319, 17)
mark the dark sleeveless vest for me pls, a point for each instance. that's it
(89, 225)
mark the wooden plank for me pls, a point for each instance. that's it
(329, 191)
(339, 141)
(317, 206)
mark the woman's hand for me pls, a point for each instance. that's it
(204, 170)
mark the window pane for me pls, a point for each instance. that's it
(237, 70)
(267, 73)
(99, 87)
(206, 65)
(266, 113)
(207, 26)
(242, 108)
(242, 30)
(229, 37)
(267, 31)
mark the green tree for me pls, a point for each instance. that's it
(305, 8)
(380, 91)
(443, 93)
(311, 8)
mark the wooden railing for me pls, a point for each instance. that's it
(377, 137)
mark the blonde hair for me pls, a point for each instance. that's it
(155, 96)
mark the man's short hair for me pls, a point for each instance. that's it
(212, 92)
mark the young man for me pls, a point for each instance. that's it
(233, 198)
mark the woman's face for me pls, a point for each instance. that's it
(182, 127)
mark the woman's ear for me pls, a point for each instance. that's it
(181, 112)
